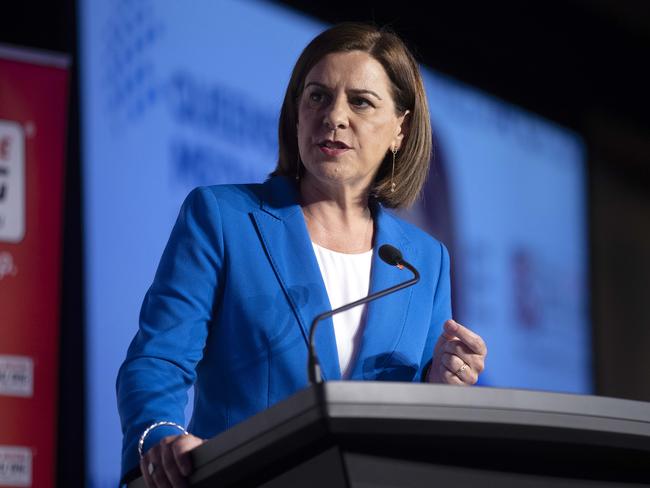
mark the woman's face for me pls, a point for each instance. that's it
(347, 120)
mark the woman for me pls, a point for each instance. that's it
(247, 267)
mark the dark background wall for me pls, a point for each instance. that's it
(577, 62)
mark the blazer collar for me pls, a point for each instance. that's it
(283, 232)
(281, 197)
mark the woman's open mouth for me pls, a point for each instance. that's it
(333, 148)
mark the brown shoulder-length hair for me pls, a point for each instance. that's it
(412, 162)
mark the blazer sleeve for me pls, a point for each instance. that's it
(159, 368)
(440, 313)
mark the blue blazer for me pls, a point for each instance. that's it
(232, 301)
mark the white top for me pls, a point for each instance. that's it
(347, 278)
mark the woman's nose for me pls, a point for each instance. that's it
(336, 116)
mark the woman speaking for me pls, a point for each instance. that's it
(247, 267)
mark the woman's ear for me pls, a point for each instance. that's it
(403, 126)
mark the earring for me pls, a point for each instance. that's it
(392, 173)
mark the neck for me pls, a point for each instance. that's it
(343, 203)
(337, 219)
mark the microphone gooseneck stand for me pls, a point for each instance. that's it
(389, 255)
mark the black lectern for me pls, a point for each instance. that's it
(386, 435)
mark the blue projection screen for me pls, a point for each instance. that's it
(179, 94)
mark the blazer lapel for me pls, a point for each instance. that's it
(385, 317)
(284, 235)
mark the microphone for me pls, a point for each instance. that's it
(390, 255)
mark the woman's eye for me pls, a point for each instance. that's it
(361, 102)
(316, 97)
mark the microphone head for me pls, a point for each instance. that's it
(390, 255)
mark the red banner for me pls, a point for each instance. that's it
(33, 103)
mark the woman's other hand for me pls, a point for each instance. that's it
(168, 463)
(458, 357)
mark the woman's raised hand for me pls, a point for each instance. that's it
(458, 356)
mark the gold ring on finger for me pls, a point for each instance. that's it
(461, 369)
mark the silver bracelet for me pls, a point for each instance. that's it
(153, 426)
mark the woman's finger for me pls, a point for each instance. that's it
(450, 378)
(459, 349)
(452, 362)
(172, 472)
(153, 469)
(459, 368)
(181, 450)
(456, 347)
(469, 338)
(149, 483)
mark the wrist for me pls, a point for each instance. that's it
(157, 431)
